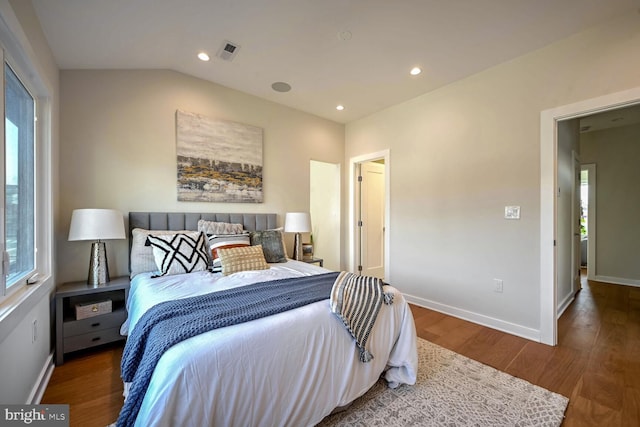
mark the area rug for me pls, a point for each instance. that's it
(453, 390)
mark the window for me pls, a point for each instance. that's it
(19, 181)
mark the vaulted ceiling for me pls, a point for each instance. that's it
(355, 53)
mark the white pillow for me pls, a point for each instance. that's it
(180, 253)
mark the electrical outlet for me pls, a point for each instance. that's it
(497, 285)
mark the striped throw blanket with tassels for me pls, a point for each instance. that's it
(356, 300)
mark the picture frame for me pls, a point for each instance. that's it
(307, 251)
(218, 160)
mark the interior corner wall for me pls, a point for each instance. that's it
(117, 150)
(461, 153)
(616, 153)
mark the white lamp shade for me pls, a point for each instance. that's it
(297, 222)
(96, 224)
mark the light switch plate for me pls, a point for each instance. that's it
(512, 212)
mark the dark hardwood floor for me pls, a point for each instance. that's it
(596, 364)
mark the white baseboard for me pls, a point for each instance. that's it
(616, 280)
(43, 380)
(565, 304)
(490, 322)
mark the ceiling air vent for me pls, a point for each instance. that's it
(228, 50)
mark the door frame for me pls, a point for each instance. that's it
(548, 185)
(591, 220)
(575, 225)
(353, 229)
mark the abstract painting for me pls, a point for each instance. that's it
(218, 160)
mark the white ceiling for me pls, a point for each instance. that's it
(619, 117)
(297, 41)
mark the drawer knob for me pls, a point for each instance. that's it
(95, 339)
(93, 325)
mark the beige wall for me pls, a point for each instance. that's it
(118, 150)
(616, 154)
(460, 154)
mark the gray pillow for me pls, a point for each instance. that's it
(272, 247)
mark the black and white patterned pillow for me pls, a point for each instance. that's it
(180, 253)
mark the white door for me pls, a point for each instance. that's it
(371, 223)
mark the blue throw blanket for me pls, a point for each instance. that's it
(171, 322)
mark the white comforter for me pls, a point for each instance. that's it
(289, 369)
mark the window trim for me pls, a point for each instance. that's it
(16, 50)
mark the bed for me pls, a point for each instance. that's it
(292, 368)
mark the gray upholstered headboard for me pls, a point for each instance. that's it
(189, 220)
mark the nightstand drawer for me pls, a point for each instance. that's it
(78, 342)
(92, 324)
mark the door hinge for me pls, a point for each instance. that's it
(359, 178)
(554, 243)
(359, 268)
(359, 223)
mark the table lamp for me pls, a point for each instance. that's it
(297, 222)
(98, 225)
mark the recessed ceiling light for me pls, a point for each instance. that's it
(340, 107)
(202, 56)
(281, 87)
(415, 71)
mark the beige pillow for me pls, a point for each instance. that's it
(244, 258)
(142, 259)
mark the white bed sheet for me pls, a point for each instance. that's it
(289, 369)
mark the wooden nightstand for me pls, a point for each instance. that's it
(320, 261)
(72, 334)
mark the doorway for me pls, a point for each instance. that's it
(588, 219)
(324, 208)
(548, 195)
(370, 218)
(369, 215)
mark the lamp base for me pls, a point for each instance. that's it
(98, 267)
(297, 247)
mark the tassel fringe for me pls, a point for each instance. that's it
(388, 298)
(365, 356)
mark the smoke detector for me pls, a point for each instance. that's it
(228, 50)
